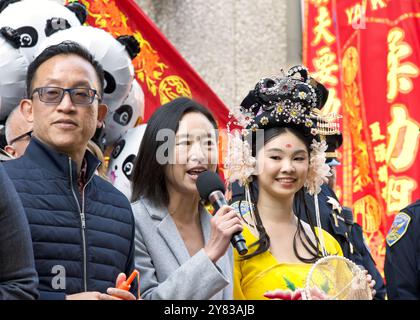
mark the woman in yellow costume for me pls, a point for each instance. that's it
(289, 158)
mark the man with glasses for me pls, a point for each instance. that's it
(18, 133)
(82, 227)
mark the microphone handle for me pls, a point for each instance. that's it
(217, 199)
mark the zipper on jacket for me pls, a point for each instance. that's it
(83, 222)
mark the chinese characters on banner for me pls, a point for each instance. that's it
(367, 52)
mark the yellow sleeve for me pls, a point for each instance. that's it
(237, 279)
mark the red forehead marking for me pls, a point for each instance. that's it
(288, 145)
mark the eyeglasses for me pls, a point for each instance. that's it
(54, 95)
(26, 134)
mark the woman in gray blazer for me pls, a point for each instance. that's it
(182, 252)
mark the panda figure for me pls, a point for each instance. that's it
(121, 163)
(114, 55)
(125, 116)
(13, 67)
(37, 20)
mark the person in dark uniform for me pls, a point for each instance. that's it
(402, 259)
(335, 219)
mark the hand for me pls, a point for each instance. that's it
(113, 293)
(223, 225)
(118, 294)
(284, 294)
(371, 282)
(298, 294)
(84, 296)
(316, 294)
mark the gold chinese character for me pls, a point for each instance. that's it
(361, 175)
(325, 65)
(367, 210)
(376, 132)
(350, 65)
(322, 23)
(318, 3)
(361, 171)
(380, 152)
(383, 174)
(384, 193)
(399, 193)
(403, 142)
(399, 74)
(378, 4)
(333, 103)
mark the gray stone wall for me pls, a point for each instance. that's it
(230, 43)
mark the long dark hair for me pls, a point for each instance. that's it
(149, 175)
(263, 242)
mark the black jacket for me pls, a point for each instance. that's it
(18, 278)
(81, 240)
(402, 259)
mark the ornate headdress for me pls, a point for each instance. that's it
(290, 100)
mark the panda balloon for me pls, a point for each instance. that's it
(121, 163)
(125, 116)
(37, 20)
(13, 67)
(113, 54)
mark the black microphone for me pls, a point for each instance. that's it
(211, 188)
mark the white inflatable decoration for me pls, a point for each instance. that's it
(121, 163)
(111, 54)
(37, 20)
(13, 67)
(126, 115)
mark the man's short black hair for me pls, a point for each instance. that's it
(65, 47)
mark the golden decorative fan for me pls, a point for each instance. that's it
(339, 279)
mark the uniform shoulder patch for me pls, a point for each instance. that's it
(398, 229)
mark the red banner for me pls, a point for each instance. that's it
(161, 71)
(368, 53)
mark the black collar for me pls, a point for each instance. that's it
(58, 163)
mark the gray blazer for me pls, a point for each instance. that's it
(167, 271)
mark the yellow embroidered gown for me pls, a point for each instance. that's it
(262, 273)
